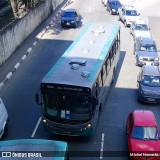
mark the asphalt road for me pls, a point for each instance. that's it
(18, 93)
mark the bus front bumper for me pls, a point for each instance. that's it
(85, 130)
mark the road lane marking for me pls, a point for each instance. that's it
(36, 127)
(102, 144)
(9, 75)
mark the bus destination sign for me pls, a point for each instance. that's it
(65, 88)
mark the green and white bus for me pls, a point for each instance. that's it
(75, 89)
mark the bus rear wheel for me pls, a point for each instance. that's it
(5, 131)
(113, 76)
(100, 107)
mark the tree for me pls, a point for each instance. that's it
(14, 5)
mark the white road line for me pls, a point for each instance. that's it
(35, 43)
(29, 50)
(24, 57)
(102, 144)
(17, 66)
(36, 127)
(9, 75)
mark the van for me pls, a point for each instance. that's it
(3, 119)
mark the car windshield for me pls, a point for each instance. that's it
(153, 81)
(65, 107)
(131, 13)
(148, 47)
(69, 14)
(145, 133)
(141, 27)
(115, 3)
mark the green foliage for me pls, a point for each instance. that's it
(20, 7)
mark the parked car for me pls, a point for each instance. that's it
(148, 82)
(127, 14)
(70, 18)
(142, 134)
(139, 28)
(3, 120)
(146, 51)
(112, 6)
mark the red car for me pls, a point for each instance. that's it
(143, 135)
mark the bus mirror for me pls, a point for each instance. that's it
(37, 98)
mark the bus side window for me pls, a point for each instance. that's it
(114, 49)
(117, 43)
(97, 89)
(100, 80)
(108, 65)
(111, 55)
(104, 74)
(119, 39)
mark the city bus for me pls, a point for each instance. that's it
(27, 149)
(75, 89)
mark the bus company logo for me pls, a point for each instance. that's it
(6, 154)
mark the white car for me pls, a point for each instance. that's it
(127, 14)
(3, 119)
(139, 29)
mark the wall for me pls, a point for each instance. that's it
(14, 35)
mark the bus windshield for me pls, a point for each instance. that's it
(67, 107)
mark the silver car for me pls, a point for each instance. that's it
(139, 28)
(146, 51)
(127, 14)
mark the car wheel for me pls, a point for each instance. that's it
(130, 32)
(62, 25)
(75, 25)
(118, 17)
(138, 98)
(133, 37)
(134, 49)
(125, 24)
(136, 62)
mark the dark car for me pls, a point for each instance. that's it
(146, 51)
(113, 5)
(149, 84)
(70, 18)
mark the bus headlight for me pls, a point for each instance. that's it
(44, 121)
(89, 125)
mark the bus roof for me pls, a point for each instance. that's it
(89, 50)
(49, 149)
